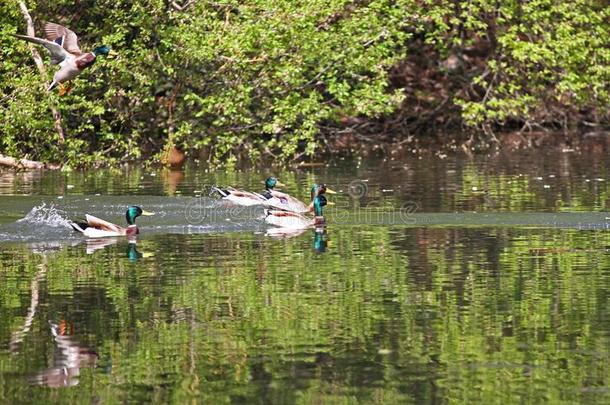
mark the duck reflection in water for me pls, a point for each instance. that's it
(320, 240)
(131, 253)
(68, 358)
(320, 236)
(284, 233)
(100, 243)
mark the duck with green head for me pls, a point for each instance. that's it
(247, 198)
(62, 44)
(283, 201)
(270, 184)
(94, 227)
(318, 190)
(295, 220)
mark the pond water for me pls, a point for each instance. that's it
(461, 279)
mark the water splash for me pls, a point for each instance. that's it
(47, 215)
(43, 226)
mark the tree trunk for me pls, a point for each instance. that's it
(25, 163)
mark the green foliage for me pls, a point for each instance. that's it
(247, 78)
(547, 56)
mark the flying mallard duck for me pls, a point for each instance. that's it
(248, 198)
(62, 44)
(295, 220)
(95, 227)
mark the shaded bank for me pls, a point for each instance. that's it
(351, 142)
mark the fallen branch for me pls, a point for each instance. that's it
(38, 60)
(25, 163)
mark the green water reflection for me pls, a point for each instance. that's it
(362, 313)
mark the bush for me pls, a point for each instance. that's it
(259, 77)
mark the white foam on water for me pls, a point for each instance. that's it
(47, 215)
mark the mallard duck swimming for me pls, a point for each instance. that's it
(319, 189)
(286, 202)
(295, 220)
(248, 198)
(95, 227)
(62, 44)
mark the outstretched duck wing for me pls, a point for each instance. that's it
(58, 54)
(63, 36)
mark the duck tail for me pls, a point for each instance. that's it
(53, 85)
(262, 196)
(220, 191)
(79, 226)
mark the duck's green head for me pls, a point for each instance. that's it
(101, 50)
(314, 191)
(318, 202)
(271, 182)
(320, 189)
(133, 212)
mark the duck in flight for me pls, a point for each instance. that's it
(62, 44)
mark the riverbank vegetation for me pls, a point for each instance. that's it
(226, 79)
